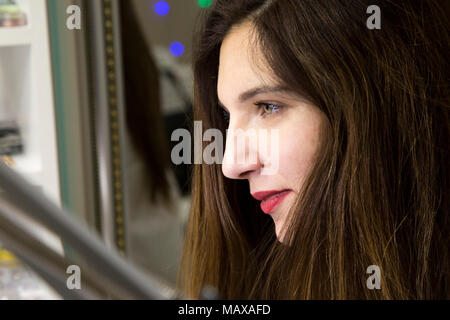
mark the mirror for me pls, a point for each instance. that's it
(158, 95)
(87, 111)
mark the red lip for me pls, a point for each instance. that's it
(270, 199)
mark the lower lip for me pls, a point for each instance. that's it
(269, 205)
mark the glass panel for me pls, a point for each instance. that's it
(70, 125)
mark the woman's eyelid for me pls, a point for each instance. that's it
(269, 103)
(260, 104)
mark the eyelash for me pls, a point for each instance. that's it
(226, 115)
(261, 106)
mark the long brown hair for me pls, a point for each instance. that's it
(378, 194)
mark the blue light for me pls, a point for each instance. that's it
(162, 8)
(177, 49)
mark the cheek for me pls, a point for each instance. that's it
(298, 148)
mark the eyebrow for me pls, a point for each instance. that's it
(246, 95)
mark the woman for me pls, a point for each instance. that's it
(363, 178)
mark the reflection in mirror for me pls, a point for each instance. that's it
(157, 84)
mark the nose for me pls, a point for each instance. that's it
(241, 158)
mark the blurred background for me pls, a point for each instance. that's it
(86, 116)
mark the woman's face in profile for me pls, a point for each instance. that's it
(254, 102)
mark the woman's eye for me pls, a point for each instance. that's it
(268, 108)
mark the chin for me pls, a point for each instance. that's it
(280, 236)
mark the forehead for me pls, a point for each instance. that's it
(241, 64)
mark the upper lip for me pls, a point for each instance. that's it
(263, 195)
